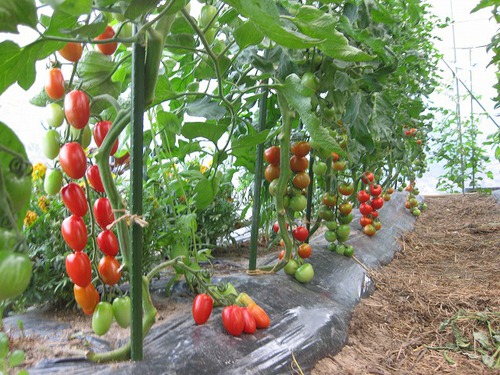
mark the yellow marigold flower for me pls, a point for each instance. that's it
(38, 171)
(43, 203)
(30, 218)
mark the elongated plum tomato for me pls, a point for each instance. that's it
(202, 308)
(108, 243)
(103, 212)
(54, 87)
(272, 155)
(107, 48)
(101, 129)
(74, 199)
(261, 318)
(86, 297)
(232, 319)
(102, 318)
(74, 232)
(250, 323)
(79, 269)
(77, 108)
(109, 270)
(71, 51)
(121, 311)
(94, 177)
(73, 160)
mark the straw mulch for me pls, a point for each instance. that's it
(436, 308)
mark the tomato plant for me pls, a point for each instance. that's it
(74, 232)
(233, 320)
(73, 160)
(109, 270)
(79, 269)
(54, 86)
(202, 308)
(74, 199)
(77, 108)
(107, 48)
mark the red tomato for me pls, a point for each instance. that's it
(108, 243)
(272, 155)
(72, 51)
(77, 109)
(304, 250)
(101, 129)
(363, 196)
(108, 48)
(54, 87)
(377, 203)
(79, 269)
(86, 296)
(374, 214)
(367, 177)
(365, 220)
(94, 177)
(103, 212)
(390, 190)
(74, 199)
(335, 156)
(272, 172)
(301, 180)
(276, 227)
(375, 190)
(298, 164)
(202, 308)
(365, 208)
(109, 270)
(73, 160)
(300, 233)
(250, 323)
(233, 320)
(261, 317)
(281, 255)
(74, 232)
(301, 148)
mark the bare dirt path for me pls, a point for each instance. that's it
(449, 268)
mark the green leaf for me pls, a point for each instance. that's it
(41, 99)
(297, 96)
(315, 23)
(204, 194)
(484, 4)
(208, 130)
(59, 22)
(74, 8)
(483, 339)
(265, 14)
(4, 345)
(247, 34)
(138, 7)
(250, 140)
(163, 89)
(16, 358)
(381, 118)
(207, 108)
(17, 12)
(93, 29)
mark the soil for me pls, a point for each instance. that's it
(449, 264)
(449, 267)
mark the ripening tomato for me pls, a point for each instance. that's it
(301, 148)
(335, 156)
(345, 208)
(74, 199)
(261, 318)
(109, 270)
(94, 177)
(233, 320)
(298, 164)
(86, 297)
(77, 108)
(338, 165)
(79, 269)
(107, 48)
(329, 200)
(272, 172)
(375, 190)
(73, 160)
(369, 230)
(365, 220)
(377, 224)
(346, 189)
(250, 323)
(54, 87)
(202, 308)
(74, 232)
(386, 197)
(363, 196)
(367, 177)
(300, 233)
(377, 203)
(365, 208)
(103, 212)
(374, 214)
(272, 155)
(108, 243)
(301, 180)
(390, 190)
(71, 51)
(304, 250)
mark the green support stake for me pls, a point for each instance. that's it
(136, 176)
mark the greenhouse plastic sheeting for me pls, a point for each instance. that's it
(309, 320)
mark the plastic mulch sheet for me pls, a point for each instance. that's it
(309, 320)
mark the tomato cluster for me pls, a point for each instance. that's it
(412, 203)
(371, 200)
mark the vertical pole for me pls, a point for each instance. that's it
(136, 168)
(257, 184)
(473, 126)
(310, 191)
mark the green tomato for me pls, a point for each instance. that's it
(272, 187)
(50, 144)
(8, 239)
(85, 133)
(15, 273)
(53, 181)
(331, 236)
(121, 311)
(319, 168)
(346, 219)
(340, 249)
(310, 81)
(102, 318)
(54, 115)
(423, 206)
(210, 35)
(349, 251)
(286, 201)
(343, 232)
(304, 273)
(291, 267)
(208, 12)
(332, 246)
(332, 225)
(326, 213)
(415, 212)
(298, 203)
